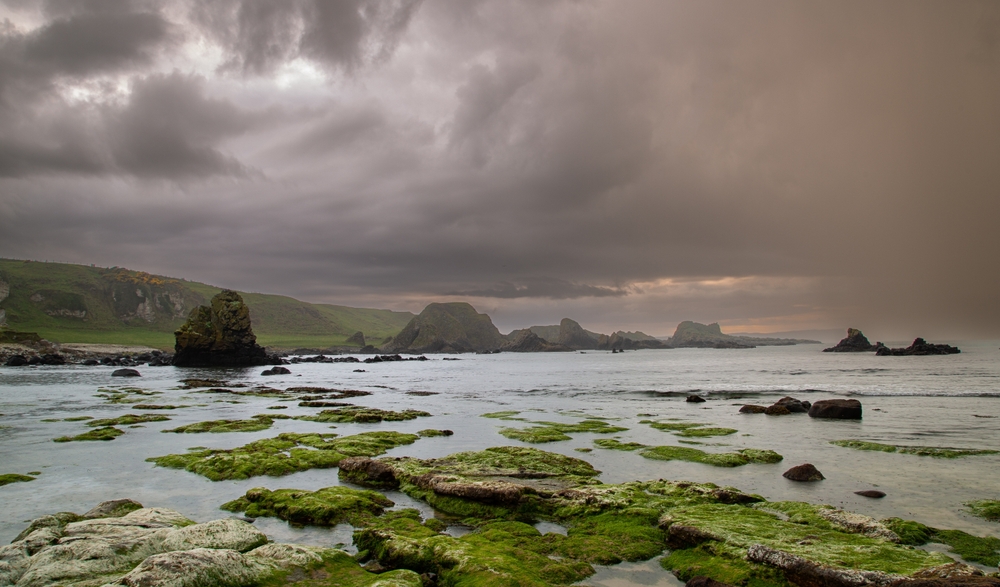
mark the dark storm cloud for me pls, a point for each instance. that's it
(260, 35)
(556, 289)
(774, 162)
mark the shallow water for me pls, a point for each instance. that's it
(939, 401)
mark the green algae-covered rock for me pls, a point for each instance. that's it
(283, 454)
(940, 452)
(988, 509)
(682, 453)
(555, 431)
(8, 478)
(105, 433)
(359, 414)
(324, 507)
(254, 424)
(127, 420)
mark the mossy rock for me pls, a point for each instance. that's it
(336, 565)
(106, 433)
(8, 478)
(127, 420)
(284, 454)
(324, 507)
(983, 550)
(940, 452)
(254, 424)
(556, 431)
(360, 415)
(682, 453)
(988, 509)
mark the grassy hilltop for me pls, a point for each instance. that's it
(75, 303)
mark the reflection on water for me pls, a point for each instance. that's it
(628, 574)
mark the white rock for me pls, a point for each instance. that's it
(286, 555)
(228, 533)
(201, 567)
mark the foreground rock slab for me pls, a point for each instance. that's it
(158, 547)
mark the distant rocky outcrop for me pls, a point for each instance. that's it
(856, 342)
(572, 335)
(920, 347)
(452, 327)
(219, 335)
(357, 338)
(526, 341)
(694, 335)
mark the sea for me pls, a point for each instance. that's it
(940, 401)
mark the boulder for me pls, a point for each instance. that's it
(838, 409)
(793, 405)
(804, 472)
(873, 493)
(276, 371)
(16, 361)
(777, 410)
(753, 409)
(695, 399)
(856, 342)
(219, 335)
(113, 508)
(920, 347)
(125, 373)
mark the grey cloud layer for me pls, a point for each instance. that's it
(522, 153)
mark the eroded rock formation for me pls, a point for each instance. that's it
(219, 335)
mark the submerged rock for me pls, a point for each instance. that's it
(276, 371)
(919, 347)
(125, 373)
(804, 472)
(220, 335)
(856, 342)
(839, 409)
(753, 409)
(695, 399)
(873, 493)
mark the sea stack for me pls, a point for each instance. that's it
(219, 335)
(856, 342)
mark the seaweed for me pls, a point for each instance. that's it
(556, 431)
(988, 509)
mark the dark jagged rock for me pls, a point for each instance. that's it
(837, 409)
(753, 409)
(526, 341)
(16, 361)
(357, 338)
(47, 359)
(276, 371)
(392, 359)
(451, 327)
(695, 399)
(793, 405)
(125, 373)
(572, 335)
(873, 493)
(219, 335)
(804, 472)
(856, 342)
(920, 347)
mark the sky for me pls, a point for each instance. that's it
(769, 165)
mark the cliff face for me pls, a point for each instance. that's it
(572, 335)
(451, 327)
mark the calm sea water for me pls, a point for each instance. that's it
(951, 401)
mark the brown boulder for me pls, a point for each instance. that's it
(837, 409)
(873, 493)
(805, 472)
(777, 410)
(753, 409)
